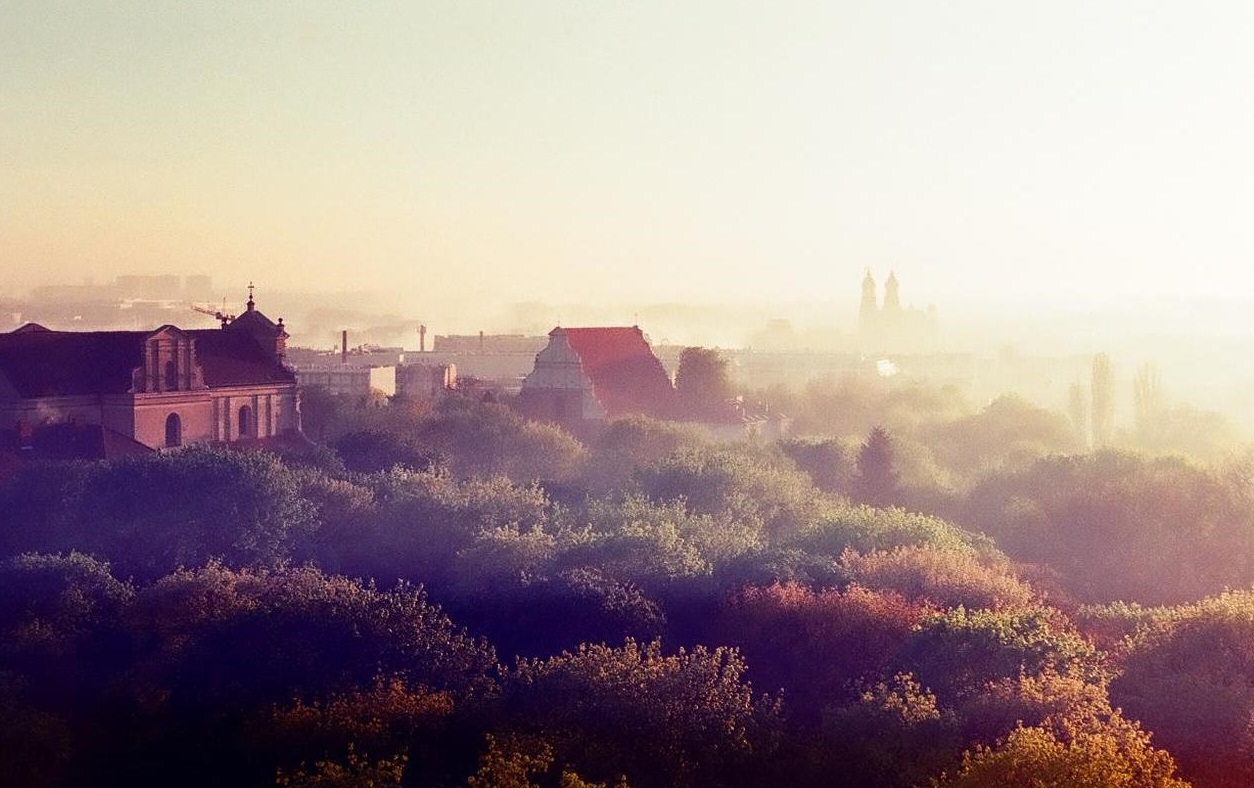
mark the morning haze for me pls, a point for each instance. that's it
(463, 156)
(627, 393)
(716, 151)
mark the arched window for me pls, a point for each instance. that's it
(171, 375)
(247, 425)
(173, 430)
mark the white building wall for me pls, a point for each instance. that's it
(558, 374)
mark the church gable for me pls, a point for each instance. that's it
(615, 365)
(557, 367)
(169, 363)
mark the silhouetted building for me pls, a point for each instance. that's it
(489, 362)
(488, 343)
(348, 380)
(589, 375)
(424, 381)
(160, 388)
(891, 328)
(150, 287)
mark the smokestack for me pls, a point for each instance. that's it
(422, 338)
(481, 341)
(344, 346)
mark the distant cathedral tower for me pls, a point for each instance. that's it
(888, 328)
(868, 312)
(892, 298)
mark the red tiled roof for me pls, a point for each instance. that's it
(626, 376)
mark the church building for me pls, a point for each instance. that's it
(590, 375)
(157, 389)
(890, 328)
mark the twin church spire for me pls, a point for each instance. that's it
(870, 303)
(886, 326)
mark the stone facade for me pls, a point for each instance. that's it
(161, 388)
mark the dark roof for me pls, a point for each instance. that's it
(70, 441)
(233, 358)
(43, 363)
(626, 376)
(257, 324)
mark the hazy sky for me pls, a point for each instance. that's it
(664, 151)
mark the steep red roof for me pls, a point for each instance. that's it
(626, 376)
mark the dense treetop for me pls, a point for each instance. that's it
(453, 595)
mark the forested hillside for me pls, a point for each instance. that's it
(460, 597)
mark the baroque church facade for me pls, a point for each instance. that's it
(154, 389)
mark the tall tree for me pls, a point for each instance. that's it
(876, 482)
(702, 382)
(1148, 396)
(1103, 392)
(1078, 411)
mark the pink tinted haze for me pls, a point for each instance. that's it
(693, 152)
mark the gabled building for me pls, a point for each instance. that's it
(590, 375)
(159, 388)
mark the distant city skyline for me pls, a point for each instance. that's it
(452, 153)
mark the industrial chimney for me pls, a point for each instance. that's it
(344, 346)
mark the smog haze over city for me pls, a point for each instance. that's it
(1055, 154)
(1061, 178)
(627, 393)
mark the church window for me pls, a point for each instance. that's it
(173, 430)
